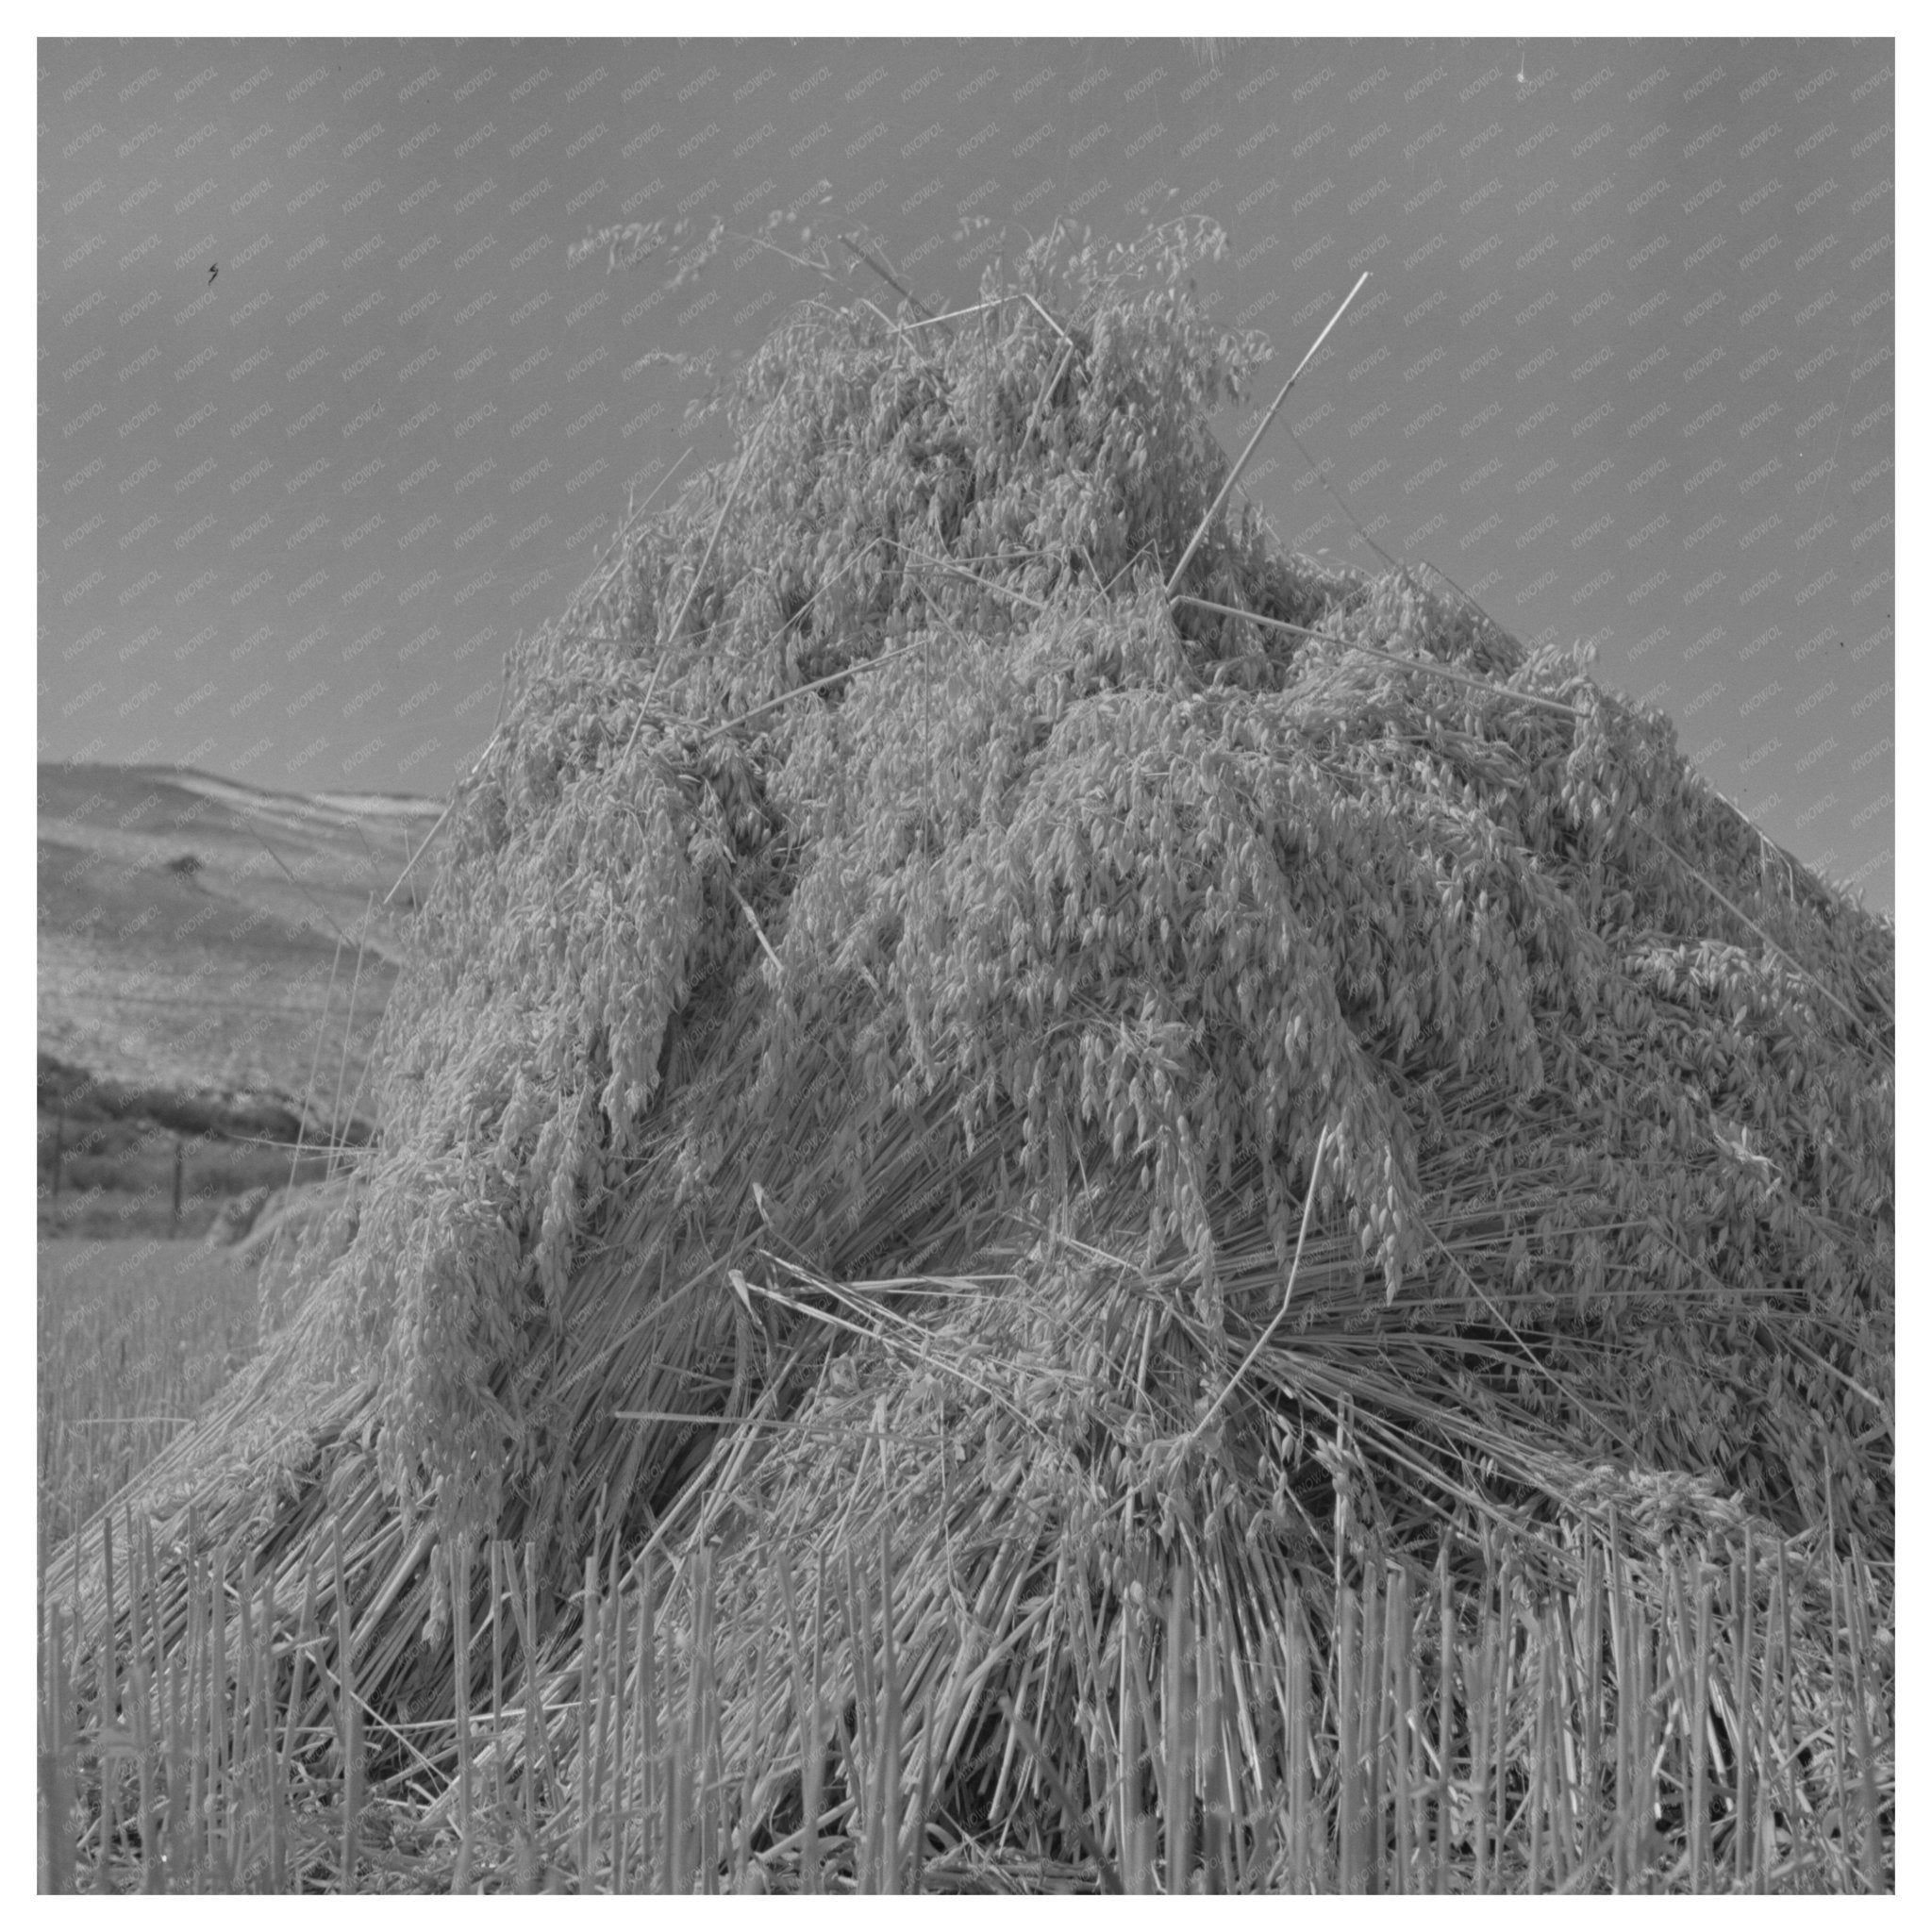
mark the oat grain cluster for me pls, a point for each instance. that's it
(923, 1034)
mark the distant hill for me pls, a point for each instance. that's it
(200, 945)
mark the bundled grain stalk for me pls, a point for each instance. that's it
(1154, 1099)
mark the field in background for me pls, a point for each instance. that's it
(213, 964)
(133, 1337)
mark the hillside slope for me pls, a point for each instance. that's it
(197, 949)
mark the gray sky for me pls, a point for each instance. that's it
(1623, 368)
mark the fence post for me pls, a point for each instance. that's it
(177, 1183)
(59, 1145)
